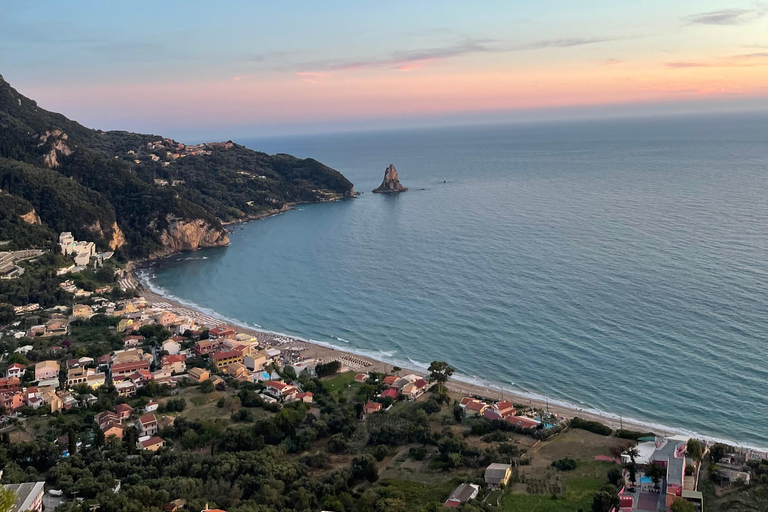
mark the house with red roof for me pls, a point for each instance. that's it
(522, 421)
(203, 347)
(220, 332)
(174, 363)
(389, 380)
(505, 408)
(389, 393)
(371, 407)
(475, 408)
(415, 389)
(280, 389)
(147, 425)
(361, 377)
(120, 371)
(152, 444)
(123, 411)
(224, 358)
(16, 370)
(10, 384)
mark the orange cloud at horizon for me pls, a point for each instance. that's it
(423, 90)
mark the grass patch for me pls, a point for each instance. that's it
(580, 486)
(340, 381)
(417, 495)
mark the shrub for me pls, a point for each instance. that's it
(566, 464)
(591, 426)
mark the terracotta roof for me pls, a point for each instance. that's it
(123, 407)
(476, 405)
(276, 384)
(420, 383)
(389, 380)
(147, 418)
(152, 441)
(226, 354)
(392, 393)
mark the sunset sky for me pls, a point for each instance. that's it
(230, 69)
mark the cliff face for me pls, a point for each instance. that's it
(391, 183)
(190, 235)
(31, 218)
(118, 238)
(55, 144)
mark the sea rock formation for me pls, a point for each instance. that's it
(190, 235)
(390, 184)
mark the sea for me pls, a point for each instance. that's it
(619, 266)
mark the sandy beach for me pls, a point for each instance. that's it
(315, 352)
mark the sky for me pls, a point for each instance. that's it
(228, 69)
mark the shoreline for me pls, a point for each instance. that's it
(355, 361)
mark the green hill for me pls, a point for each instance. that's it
(141, 195)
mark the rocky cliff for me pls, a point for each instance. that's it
(31, 217)
(391, 183)
(190, 235)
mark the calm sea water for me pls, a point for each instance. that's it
(615, 265)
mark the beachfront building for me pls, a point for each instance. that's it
(280, 390)
(497, 475)
(415, 389)
(220, 332)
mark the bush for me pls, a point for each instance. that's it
(207, 386)
(591, 426)
(379, 452)
(337, 443)
(566, 464)
(418, 453)
(634, 435)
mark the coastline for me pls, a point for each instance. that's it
(459, 384)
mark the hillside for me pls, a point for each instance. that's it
(141, 195)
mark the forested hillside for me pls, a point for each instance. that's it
(138, 194)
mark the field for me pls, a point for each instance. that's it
(542, 488)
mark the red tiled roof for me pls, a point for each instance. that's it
(420, 383)
(392, 393)
(17, 366)
(276, 384)
(476, 406)
(389, 380)
(123, 407)
(226, 354)
(152, 441)
(147, 418)
(466, 400)
(522, 421)
(173, 358)
(373, 406)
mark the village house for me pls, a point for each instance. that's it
(497, 475)
(133, 341)
(95, 380)
(203, 347)
(45, 370)
(198, 374)
(166, 318)
(151, 406)
(152, 444)
(389, 393)
(222, 359)
(461, 494)
(389, 380)
(371, 407)
(123, 411)
(125, 388)
(220, 332)
(174, 363)
(472, 406)
(11, 400)
(121, 371)
(360, 378)
(237, 370)
(171, 346)
(505, 408)
(414, 389)
(82, 311)
(523, 421)
(147, 425)
(255, 362)
(304, 397)
(280, 390)
(10, 384)
(140, 378)
(16, 370)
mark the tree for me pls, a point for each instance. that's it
(72, 438)
(207, 386)
(7, 499)
(632, 470)
(459, 413)
(680, 505)
(440, 372)
(364, 468)
(632, 453)
(694, 449)
(337, 443)
(604, 501)
(656, 472)
(717, 452)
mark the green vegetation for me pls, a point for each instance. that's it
(591, 426)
